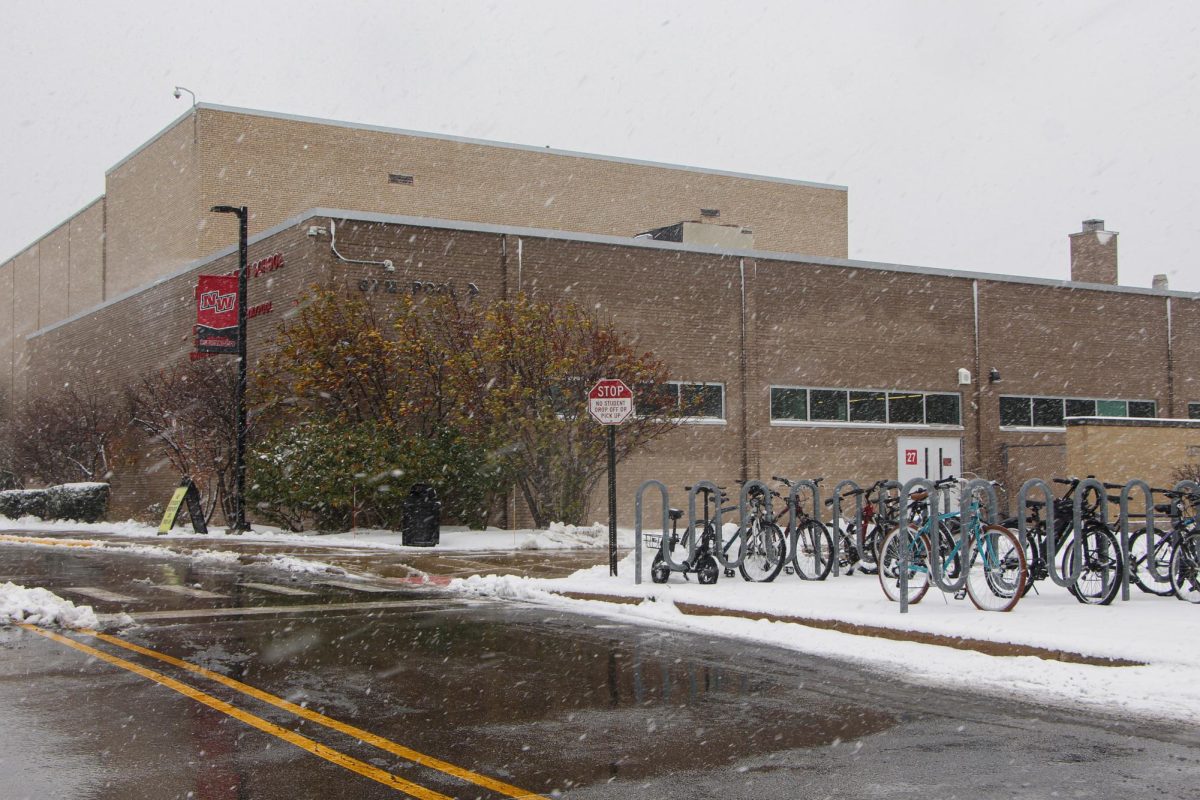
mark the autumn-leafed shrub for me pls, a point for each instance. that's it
(471, 397)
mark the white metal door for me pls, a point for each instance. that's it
(927, 457)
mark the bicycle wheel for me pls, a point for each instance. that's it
(659, 571)
(1143, 545)
(1100, 579)
(1185, 568)
(918, 569)
(763, 553)
(813, 556)
(849, 553)
(707, 570)
(996, 569)
(868, 557)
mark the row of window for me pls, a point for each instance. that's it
(1049, 412)
(706, 401)
(790, 404)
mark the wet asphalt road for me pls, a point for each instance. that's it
(549, 703)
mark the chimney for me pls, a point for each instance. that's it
(1161, 282)
(1094, 254)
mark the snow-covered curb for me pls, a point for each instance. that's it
(557, 537)
(1147, 629)
(39, 606)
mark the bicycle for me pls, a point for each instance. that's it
(704, 564)
(1100, 574)
(812, 557)
(992, 557)
(764, 547)
(1156, 546)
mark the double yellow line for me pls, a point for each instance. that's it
(317, 749)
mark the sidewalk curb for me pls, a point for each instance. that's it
(958, 643)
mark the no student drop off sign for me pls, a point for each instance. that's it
(610, 402)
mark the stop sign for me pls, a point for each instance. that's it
(610, 402)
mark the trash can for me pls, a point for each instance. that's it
(421, 520)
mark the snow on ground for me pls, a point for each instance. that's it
(42, 607)
(1160, 632)
(452, 539)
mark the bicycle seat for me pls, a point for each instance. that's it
(829, 502)
(1163, 508)
(1035, 503)
(675, 513)
(918, 497)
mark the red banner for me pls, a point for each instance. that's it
(217, 314)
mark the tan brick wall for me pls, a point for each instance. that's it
(804, 324)
(7, 343)
(280, 167)
(54, 254)
(1122, 451)
(154, 211)
(86, 280)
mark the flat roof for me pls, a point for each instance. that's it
(339, 214)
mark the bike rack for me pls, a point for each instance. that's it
(743, 521)
(969, 512)
(935, 548)
(836, 522)
(1077, 513)
(1051, 532)
(637, 536)
(793, 532)
(1148, 495)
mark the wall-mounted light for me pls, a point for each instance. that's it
(993, 375)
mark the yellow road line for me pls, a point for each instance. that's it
(319, 750)
(8, 537)
(342, 727)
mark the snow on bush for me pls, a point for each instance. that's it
(81, 502)
(17, 503)
(42, 607)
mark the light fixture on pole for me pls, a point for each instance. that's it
(239, 497)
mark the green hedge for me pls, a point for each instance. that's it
(81, 502)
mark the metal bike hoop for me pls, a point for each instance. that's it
(1077, 516)
(743, 522)
(1051, 533)
(836, 522)
(1148, 495)
(637, 536)
(692, 534)
(793, 531)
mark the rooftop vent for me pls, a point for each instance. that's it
(710, 213)
(394, 177)
(1090, 225)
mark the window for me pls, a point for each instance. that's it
(868, 406)
(696, 401)
(1016, 412)
(863, 406)
(1050, 412)
(791, 404)
(906, 408)
(828, 405)
(1193, 410)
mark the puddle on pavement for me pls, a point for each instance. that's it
(545, 706)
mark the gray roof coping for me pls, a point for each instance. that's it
(340, 214)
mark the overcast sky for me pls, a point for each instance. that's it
(972, 135)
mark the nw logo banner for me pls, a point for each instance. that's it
(217, 314)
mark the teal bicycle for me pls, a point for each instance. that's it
(984, 562)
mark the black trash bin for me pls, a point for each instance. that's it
(421, 523)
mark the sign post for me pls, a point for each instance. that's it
(610, 402)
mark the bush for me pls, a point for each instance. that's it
(17, 503)
(338, 475)
(81, 502)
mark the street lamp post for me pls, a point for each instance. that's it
(239, 496)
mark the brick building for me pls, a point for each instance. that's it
(809, 363)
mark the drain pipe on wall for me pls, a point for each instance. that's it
(387, 265)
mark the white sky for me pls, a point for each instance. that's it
(972, 135)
